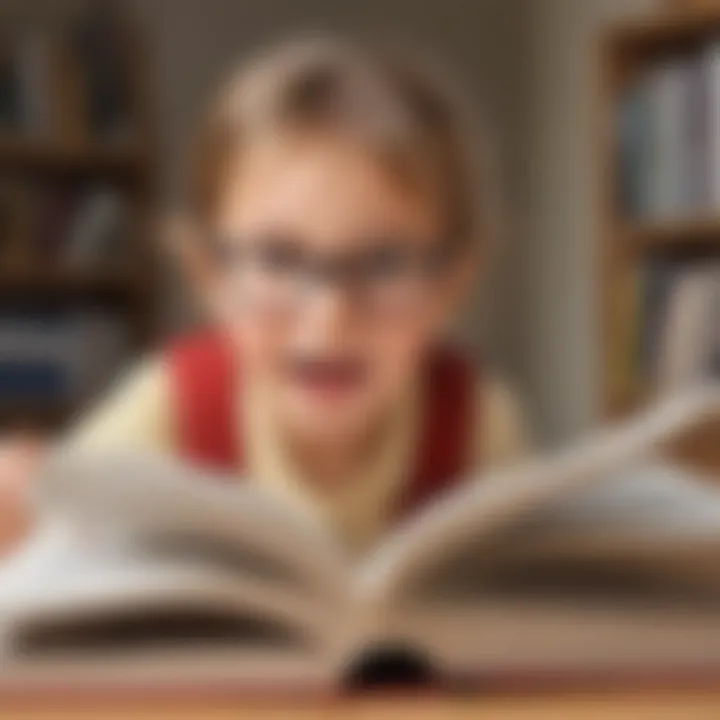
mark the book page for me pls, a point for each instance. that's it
(168, 507)
(650, 514)
(60, 594)
(491, 502)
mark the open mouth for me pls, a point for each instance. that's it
(328, 376)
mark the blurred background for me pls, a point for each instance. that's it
(602, 114)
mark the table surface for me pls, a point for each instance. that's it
(626, 705)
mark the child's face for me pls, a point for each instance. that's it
(331, 279)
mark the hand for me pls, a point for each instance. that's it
(19, 461)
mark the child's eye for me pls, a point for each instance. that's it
(279, 255)
(387, 262)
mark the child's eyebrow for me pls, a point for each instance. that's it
(382, 239)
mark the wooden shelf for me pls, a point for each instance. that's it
(55, 281)
(627, 51)
(49, 182)
(25, 152)
(673, 26)
(34, 414)
(675, 233)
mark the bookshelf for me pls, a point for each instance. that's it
(645, 226)
(77, 268)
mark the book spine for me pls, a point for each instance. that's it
(632, 131)
(99, 49)
(668, 146)
(688, 328)
(33, 64)
(69, 354)
(712, 72)
(713, 364)
(35, 381)
(698, 128)
(660, 278)
(32, 363)
(10, 115)
(68, 101)
(97, 230)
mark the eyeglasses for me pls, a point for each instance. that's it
(278, 274)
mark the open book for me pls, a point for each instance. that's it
(146, 573)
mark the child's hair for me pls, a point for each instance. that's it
(397, 108)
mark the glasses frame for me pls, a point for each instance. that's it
(346, 270)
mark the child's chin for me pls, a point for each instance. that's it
(337, 417)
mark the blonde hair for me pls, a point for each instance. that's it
(398, 108)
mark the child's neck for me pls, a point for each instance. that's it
(330, 463)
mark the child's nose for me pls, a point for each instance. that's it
(329, 307)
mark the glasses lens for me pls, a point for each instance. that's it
(277, 275)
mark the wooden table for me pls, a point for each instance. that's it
(625, 705)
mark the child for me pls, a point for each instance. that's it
(337, 226)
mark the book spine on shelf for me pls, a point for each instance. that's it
(10, 102)
(712, 63)
(668, 98)
(68, 356)
(660, 277)
(668, 139)
(96, 233)
(33, 59)
(698, 129)
(633, 127)
(100, 51)
(688, 327)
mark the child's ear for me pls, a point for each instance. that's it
(189, 250)
(465, 275)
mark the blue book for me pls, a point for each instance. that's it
(32, 381)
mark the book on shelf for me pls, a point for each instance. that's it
(70, 227)
(43, 102)
(55, 212)
(34, 63)
(9, 91)
(712, 70)
(25, 382)
(59, 356)
(144, 572)
(98, 231)
(15, 223)
(656, 277)
(634, 156)
(674, 311)
(68, 96)
(687, 350)
(700, 136)
(103, 56)
(68, 85)
(669, 149)
(668, 138)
